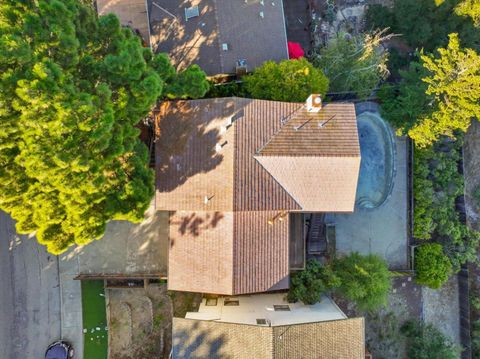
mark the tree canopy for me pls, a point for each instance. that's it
(454, 84)
(72, 89)
(439, 18)
(469, 8)
(364, 280)
(289, 80)
(353, 63)
(437, 96)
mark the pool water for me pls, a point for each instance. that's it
(377, 168)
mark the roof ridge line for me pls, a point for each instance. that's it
(283, 123)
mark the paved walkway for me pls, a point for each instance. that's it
(29, 295)
(71, 297)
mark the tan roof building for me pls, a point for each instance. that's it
(230, 170)
(337, 339)
(215, 34)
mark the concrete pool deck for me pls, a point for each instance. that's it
(381, 230)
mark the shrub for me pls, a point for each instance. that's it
(364, 280)
(356, 64)
(308, 285)
(379, 17)
(427, 342)
(289, 80)
(433, 268)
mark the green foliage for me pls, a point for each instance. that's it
(426, 342)
(432, 266)
(469, 8)
(454, 84)
(72, 89)
(308, 285)
(227, 90)
(189, 83)
(476, 195)
(404, 103)
(364, 280)
(289, 80)
(437, 184)
(353, 64)
(427, 23)
(437, 97)
(379, 17)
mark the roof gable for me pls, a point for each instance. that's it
(318, 184)
(315, 156)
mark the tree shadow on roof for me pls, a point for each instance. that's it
(185, 144)
(197, 343)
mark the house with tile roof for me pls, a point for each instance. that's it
(266, 326)
(233, 173)
(219, 35)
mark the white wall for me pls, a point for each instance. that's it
(260, 306)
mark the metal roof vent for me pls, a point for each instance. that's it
(191, 12)
(262, 15)
(314, 103)
(225, 46)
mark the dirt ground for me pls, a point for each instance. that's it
(383, 336)
(471, 162)
(139, 322)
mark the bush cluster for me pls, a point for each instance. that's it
(364, 280)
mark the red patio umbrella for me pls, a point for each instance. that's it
(295, 51)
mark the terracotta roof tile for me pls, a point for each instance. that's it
(338, 339)
(228, 252)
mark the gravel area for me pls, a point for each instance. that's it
(441, 308)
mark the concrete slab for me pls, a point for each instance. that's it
(127, 248)
(383, 230)
(440, 308)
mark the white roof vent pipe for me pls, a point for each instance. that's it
(314, 103)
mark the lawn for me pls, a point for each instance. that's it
(94, 320)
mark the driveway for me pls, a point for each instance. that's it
(29, 295)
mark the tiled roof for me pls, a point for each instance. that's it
(200, 40)
(208, 164)
(228, 252)
(332, 132)
(338, 339)
(189, 168)
(317, 150)
(318, 184)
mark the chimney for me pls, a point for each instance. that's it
(314, 103)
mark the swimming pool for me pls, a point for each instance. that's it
(377, 167)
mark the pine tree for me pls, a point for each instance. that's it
(72, 89)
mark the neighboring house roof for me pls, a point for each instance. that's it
(217, 165)
(131, 13)
(338, 339)
(227, 252)
(200, 40)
